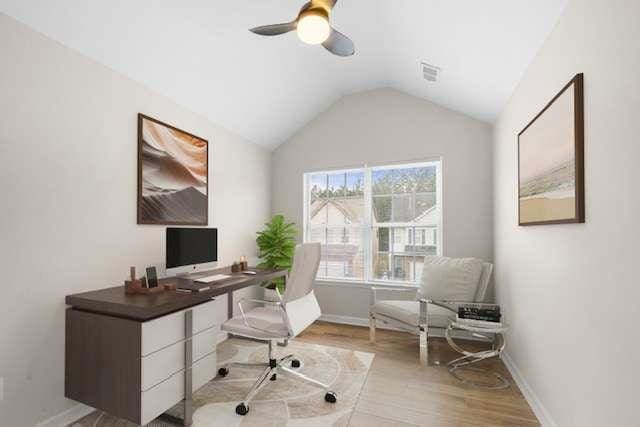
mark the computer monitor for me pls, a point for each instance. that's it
(191, 249)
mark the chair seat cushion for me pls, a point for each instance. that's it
(270, 320)
(409, 312)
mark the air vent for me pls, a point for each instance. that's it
(430, 72)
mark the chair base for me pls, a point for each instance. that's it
(270, 372)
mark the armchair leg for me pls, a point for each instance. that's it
(372, 329)
(424, 345)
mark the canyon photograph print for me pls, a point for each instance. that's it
(172, 175)
(550, 161)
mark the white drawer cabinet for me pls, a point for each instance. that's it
(161, 364)
(146, 376)
(158, 399)
(167, 330)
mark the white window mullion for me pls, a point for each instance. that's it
(367, 229)
(305, 209)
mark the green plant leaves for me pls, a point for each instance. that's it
(276, 244)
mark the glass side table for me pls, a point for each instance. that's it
(468, 358)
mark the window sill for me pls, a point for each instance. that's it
(346, 283)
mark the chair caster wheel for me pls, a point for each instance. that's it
(295, 363)
(223, 372)
(273, 377)
(331, 397)
(242, 409)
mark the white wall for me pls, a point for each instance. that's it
(571, 292)
(68, 202)
(382, 126)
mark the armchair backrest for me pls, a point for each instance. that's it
(485, 277)
(299, 300)
(455, 279)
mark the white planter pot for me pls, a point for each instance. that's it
(271, 295)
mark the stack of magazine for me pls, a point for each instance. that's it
(484, 316)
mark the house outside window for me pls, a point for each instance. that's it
(374, 223)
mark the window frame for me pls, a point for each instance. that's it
(368, 224)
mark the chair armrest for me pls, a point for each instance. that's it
(278, 304)
(373, 295)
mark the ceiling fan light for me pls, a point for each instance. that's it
(313, 28)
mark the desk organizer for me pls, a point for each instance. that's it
(139, 286)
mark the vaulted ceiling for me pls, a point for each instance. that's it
(200, 54)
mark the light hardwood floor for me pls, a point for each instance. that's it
(401, 392)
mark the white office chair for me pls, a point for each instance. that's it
(285, 319)
(443, 279)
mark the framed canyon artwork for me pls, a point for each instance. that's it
(551, 161)
(173, 175)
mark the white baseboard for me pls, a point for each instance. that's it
(536, 405)
(67, 417)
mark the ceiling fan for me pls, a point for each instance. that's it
(313, 27)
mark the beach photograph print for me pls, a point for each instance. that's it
(172, 175)
(550, 160)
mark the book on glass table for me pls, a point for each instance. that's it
(479, 323)
(489, 313)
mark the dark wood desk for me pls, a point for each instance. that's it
(115, 302)
(133, 355)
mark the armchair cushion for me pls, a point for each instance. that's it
(409, 312)
(451, 279)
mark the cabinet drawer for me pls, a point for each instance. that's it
(164, 331)
(208, 314)
(160, 365)
(163, 396)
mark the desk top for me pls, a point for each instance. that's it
(115, 302)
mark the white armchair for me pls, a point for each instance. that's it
(443, 279)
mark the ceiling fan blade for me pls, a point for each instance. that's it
(275, 29)
(339, 44)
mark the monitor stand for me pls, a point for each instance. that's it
(189, 271)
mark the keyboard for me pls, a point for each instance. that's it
(211, 279)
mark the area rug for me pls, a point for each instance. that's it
(284, 402)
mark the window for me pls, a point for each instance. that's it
(374, 223)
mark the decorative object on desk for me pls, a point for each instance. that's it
(244, 264)
(152, 277)
(169, 286)
(277, 244)
(285, 403)
(139, 286)
(236, 267)
(133, 285)
(172, 175)
(551, 161)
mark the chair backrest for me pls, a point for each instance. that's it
(457, 279)
(299, 300)
(483, 285)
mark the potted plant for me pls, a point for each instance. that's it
(276, 244)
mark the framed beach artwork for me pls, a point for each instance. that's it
(173, 175)
(551, 161)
